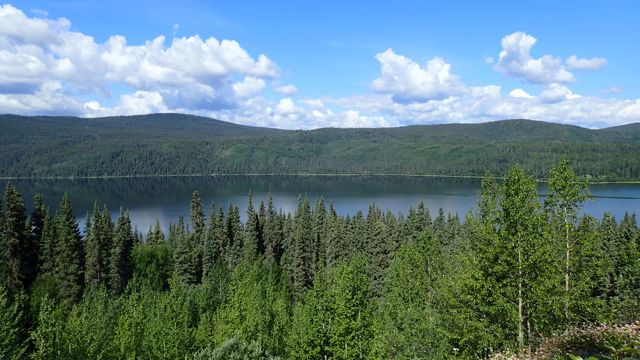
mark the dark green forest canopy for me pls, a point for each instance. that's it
(312, 284)
(175, 144)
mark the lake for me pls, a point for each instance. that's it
(166, 198)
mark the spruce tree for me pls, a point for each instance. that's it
(69, 265)
(273, 233)
(302, 248)
(120, 262)
(335, 247)
(48, 246)
(98, 249)
(213, 243)
(253, 234)
(198, 233)
(233, 230)
(14, 239)
(183, 261)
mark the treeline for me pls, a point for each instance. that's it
(314, 284)
(174, 144)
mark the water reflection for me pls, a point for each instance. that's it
(166, 198)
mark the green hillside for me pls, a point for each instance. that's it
(163, 144)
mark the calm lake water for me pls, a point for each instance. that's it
(166, 198)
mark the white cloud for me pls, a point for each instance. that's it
(519, 93)
(250, 86)
(287, 106)
(515, 60)
(573, 62)
(407, 81)
(188, 72)
(46, 68)
(286, 89)
(556, 93)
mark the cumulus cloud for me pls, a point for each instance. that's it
(188, 72)
(407, 81)
(556, 93)
(286, 89)
(573, 62)
(519, 93)
(515, 60)
(47, 68)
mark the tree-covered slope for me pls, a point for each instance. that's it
(160, 144)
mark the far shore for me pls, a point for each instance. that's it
(473, 177)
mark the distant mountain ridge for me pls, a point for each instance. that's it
(162, 144)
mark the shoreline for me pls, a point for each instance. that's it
(105, 177)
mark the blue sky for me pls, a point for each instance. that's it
(325, 63)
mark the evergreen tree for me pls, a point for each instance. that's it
(155, 235)
(377, 248)
(273, 233)
(334, 240)
(184, 263)
(319, 223)
(214, 242)
(48, 246)
(611, 248)
(14, 239)
(98, 249)
(302, 249)
(234, 233)
(628, 274)
(253, 232)
(198, 234)
(120, 263)
(69, 265)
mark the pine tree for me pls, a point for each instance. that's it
(69, 265)
(120, 262)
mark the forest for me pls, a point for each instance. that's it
(514, 279)
(178, 144)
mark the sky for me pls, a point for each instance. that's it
(309, 64)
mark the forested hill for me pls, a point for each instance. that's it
(168, 144)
